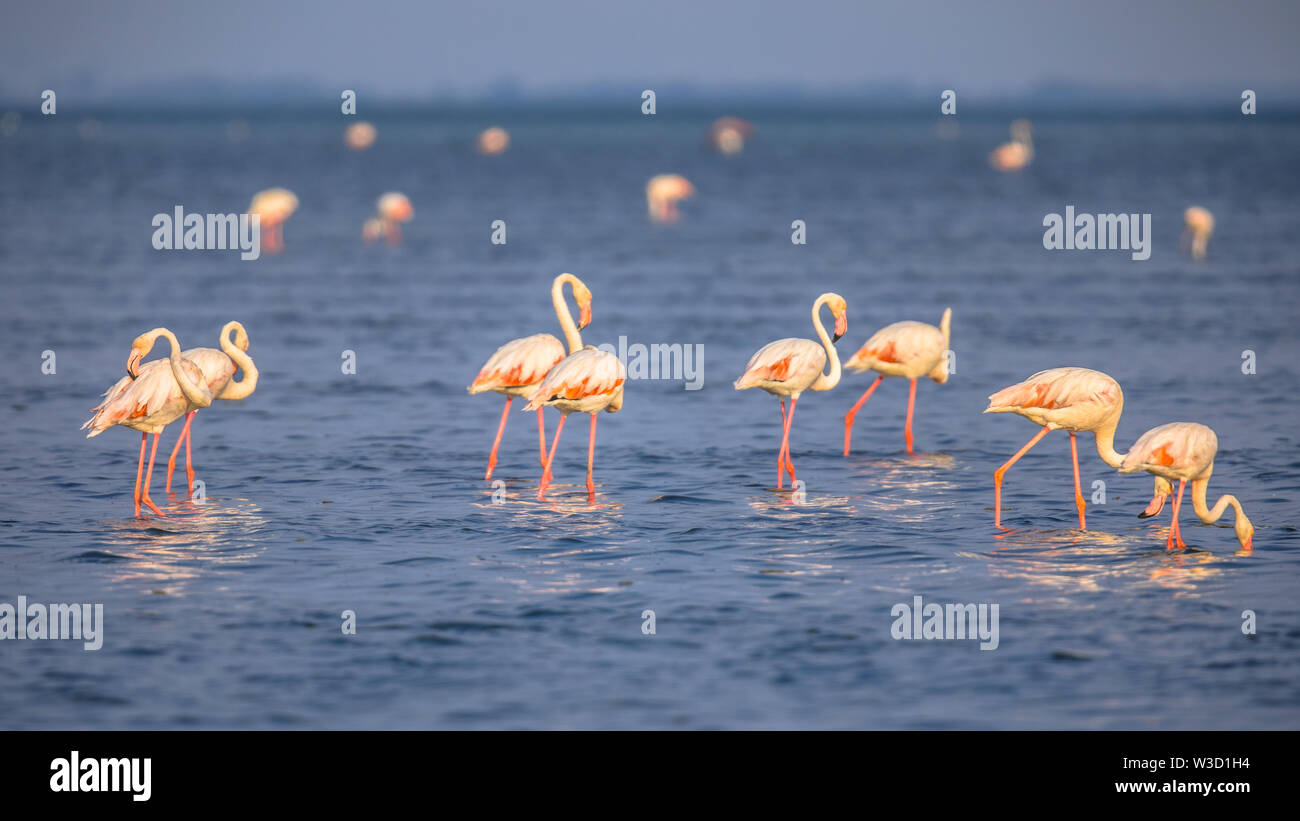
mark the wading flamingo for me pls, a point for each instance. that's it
(360, 136)
(149, 399)
(1018, 153)
(788, 367)
(393, 209)
(517, 367)
(662, 194)
(588, 381)
(907, 349)
(727, 135)
(218, 367)
(493, 141)
(1184, 451)
(1198, 225)
(274, 206)
(1073, 399)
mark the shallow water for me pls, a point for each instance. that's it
(329, 492)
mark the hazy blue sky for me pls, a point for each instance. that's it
(1185, 48)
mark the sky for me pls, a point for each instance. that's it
(97, 49)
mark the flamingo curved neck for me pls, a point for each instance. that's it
(571, 336)
(825, 381)
(1199, 488)
(248, 383)
(1105, 437)
(192, 392)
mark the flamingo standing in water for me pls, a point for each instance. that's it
(493, 141)
(727, 135)
(273, 206)
(149, 400)
(1198, 226)
(662, 194)
(360, 136)
(907, 349)
(393, 209)
(1073, 399)
(788, 367)
(218, 367)
(1018, 153)
(1184, 451)
(517, 367)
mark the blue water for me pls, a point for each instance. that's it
(330, 492)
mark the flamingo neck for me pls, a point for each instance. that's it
(571, 336)
(248, 383)
(1199, 489)
(195, 394)
(1105, 436)
(825, 381)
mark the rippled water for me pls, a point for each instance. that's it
(329, 491)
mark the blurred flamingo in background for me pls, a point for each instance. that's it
(150, 398)
(517, 367)
(1073, 399)
(1184, 451)
(907, 349)
(273, 206)
(493, 141)
(727, 135)
(360, 136)
(218, 367)
(662, 194)
(1018, 153)
(1198, 225)
(393, 209)
(788, 367)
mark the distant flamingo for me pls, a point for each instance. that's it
(1018, 153)
(907, 349)
(494, 140)
(788, 367)
(662, 194)
(394, 209)
(1199, 225)
(517, 367)
(274, 206)
(1073, 399)
(360, 135)
(727, 135)
(1184, 451)
(372, 229)
(218, 367)
(149, 399)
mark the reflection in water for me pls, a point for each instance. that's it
(910, 488)
(192, 537)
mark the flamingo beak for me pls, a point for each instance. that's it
(841, 326)
(133, 364)
(584, 316)
(1157, 504)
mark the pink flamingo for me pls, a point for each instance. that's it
(1018, 153)
(1184, 451)
(149, 399)
(662, 194)
(394, 209)
(218, 367)
(585, 381)
(360, 135)
(788, 367)
(273, 206)
(494, 140)
(1198, 225)
(517, 367)
(907, 349)
(1073, 399)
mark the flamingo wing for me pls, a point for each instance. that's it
(138, 398)
(519, 363)
(588, 374)
(1055, 389)
(1176, 447)
(786, 361)
(900, 344)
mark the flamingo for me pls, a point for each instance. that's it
(218, 367)
(907, 349)
(149, 399)
(360, 135)
(1184, 451)
(517, 367)
(1073, 399)
(1199, 225)
(494, 140)
(662, 194)
(393, 209)
(1018, 153)
(727, 135)
(788, 367)
(274, 206)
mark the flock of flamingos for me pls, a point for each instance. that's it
(574, 378)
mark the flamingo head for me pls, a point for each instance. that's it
(241, 336)
(140, 348)
(1245, 531)
(583, 294)
(839, 309)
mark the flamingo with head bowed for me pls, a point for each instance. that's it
(1198, 225)
(1018, 153)
(517, 367)
(149, 399)
(1073, 399)
(663, 193)
(393, 209)
(907, 349)
(218, 367)
(1184, 451)
(788, 367)
(493, 141)
(273, 207)
(727, 135)
(586, 381)
(360, 135)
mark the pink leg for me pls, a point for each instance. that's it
(139, 474)
(546, 474)
(541, 436)
(492, 457)
(591, 457)
(1000, 472)
(907, 429)
(394, 233)
(171, 461)
(783, 455)
(1078, 488)
(848, 417)
(148, 477)
(1175, 536)
(785, 445)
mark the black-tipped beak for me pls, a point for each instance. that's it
(836, 337)
(133, 365)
